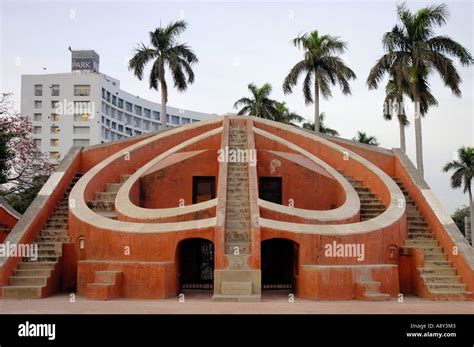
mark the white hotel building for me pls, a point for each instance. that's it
(85, 107)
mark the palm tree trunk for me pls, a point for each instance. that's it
(402, 136)
(316, 106)
(471, 216)
(418, 138)
(163, 106)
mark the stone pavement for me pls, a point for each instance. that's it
(200, 302)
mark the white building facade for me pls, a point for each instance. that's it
(85, 107)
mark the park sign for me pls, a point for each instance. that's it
(85, 61)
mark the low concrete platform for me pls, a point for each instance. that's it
(199, 302)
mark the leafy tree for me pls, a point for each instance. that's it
(259, 103)
(458, 217)
(165, 51)
(321, 67)
(322, 126)
(362, 137)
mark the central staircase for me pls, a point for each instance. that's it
(33, 279)
(237, 283)
(370, 205)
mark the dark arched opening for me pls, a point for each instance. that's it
(196, 264)
(279, 264)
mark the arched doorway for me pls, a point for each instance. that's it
(279, 264)
(196, 264)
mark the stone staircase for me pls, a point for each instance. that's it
(104, 202)
(237, 283)
(370, 205)
(32, 278)
(439, 276)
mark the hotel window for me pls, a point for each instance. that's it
(175, 120)
(37, 130)
(120, 103)
(156, 126)
(54, 143)
(108, 96)
(185, 120)
(38, 143)
(38, 90)
(137, 132)
(107, 122)
(55, 90)
(167, 118)
(81, 130)
(138, 110)
(120, 128)
(81, 117)
(38, 104)
(156, 115)
(54, 129)
(82, 90)
(128, 119)
(114, 100)
(54, 117)
(120, 115)
(103, 107)
(81, 142)
(113, 112)
(146, 125)
(147, 112)
(107, 110)
(113, 136)
(54, 155)
(37, 117)
(128, 107)
(137, 122)
(103, 93)
(114, 125)
(128, 131)
(54, 105)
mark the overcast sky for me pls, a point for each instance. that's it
(242, 42)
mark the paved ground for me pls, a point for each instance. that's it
(201, 303)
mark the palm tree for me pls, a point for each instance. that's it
(362, 137)
(395, 91)
(322, 126)
(322, 68)
(259, 104)
(393, 105)
(414, 53)
(284, 115)
(463, 175)
(165, 51)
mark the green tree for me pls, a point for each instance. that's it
(458, 217)
(322, 126)
(321, 67)
(463, 174)
(284, 115)
(259, 103)
(362, 137)
(414, 52)
(165, 51)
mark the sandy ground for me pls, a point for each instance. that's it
(200, 302)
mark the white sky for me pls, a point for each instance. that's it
(242, 42)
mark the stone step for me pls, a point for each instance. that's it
(438, 271)
(237, 224)
(113, 187)
(447, 287)
(28, 281)
(372, 207)
(435, 257)
(42, 258)
(440, 295)
(32, 273)
(420, 236)
(436, 264)
(105, 196)
(437, 279)
(62, 239)
(418, 229)
(22, 292)
(101, 205)
(36, 265)
(54, 232)
(417, 224)
(423, 243)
